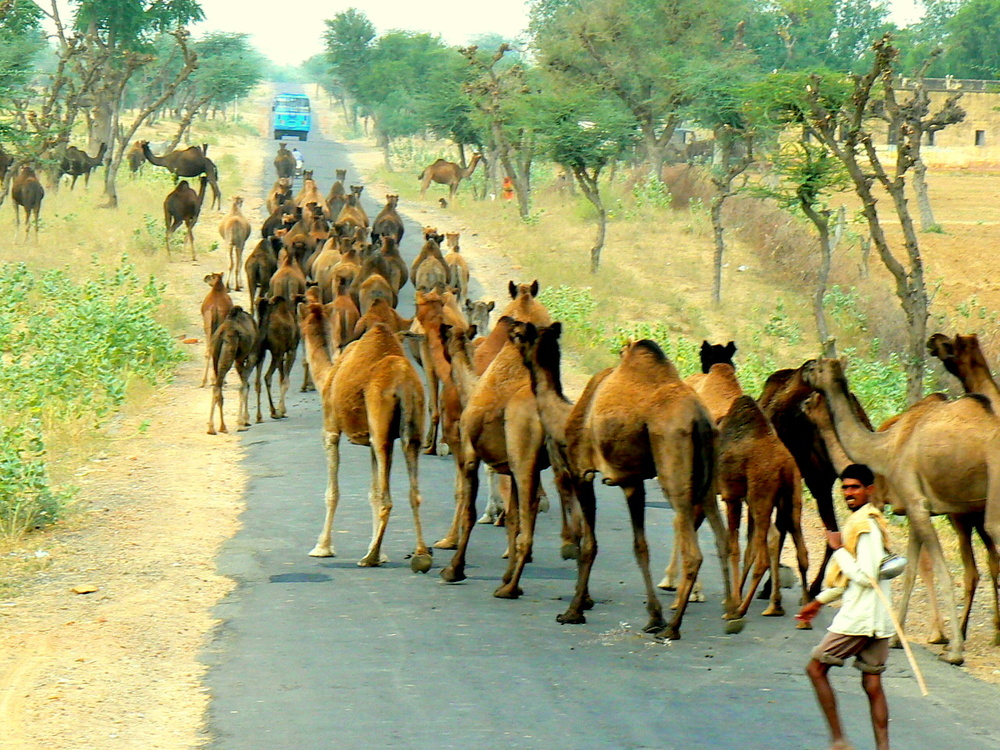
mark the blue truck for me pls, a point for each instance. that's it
(291, 116)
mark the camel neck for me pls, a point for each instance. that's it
(861, 444)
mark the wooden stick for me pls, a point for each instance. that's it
(902, 636)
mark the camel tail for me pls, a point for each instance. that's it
(411, 417)
(703, 461)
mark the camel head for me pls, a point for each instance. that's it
(391, 200)
(341, 175)
(824, 374)
(237, 203)
(458, 341)
(958, 355)
(451, 240)
(479, 313)
(357, 190)
(307, 174)
(388, 244)
(214, 279)
(714, 354)
(430, 232)
(524, 306)
(517, 290)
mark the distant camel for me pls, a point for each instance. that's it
(183, 206)
(5, 161)
(76, 162)
(284, 162)
(447, 173)
(27, 192)
(388, 223)
(191, 162)
(135, 158)
(214, 309)
(235, 230)
(233, 343)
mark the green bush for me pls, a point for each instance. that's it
(69, 351)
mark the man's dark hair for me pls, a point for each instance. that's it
(860, 472)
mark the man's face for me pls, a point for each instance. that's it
(855, 493)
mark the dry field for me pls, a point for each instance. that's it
(119, 667)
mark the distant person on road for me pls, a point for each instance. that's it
(863, 626)
(298, 161)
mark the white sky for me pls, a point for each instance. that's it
(289, 34)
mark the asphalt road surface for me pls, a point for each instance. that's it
(318, 653)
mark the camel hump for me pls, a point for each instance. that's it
(645, 356)
(744, 420)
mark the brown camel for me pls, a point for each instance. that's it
(374, 287)
(135, 158)
(310, 193)
(289, 282)
(458, 269)
(27, 192)
(233, 343)
(373, 394)
(351, 216)
(381, 312)
(939, 460)
(191, 162)
(214, 309)
(235, 230)
(278, 334)
(284, 162)
(261, 265)
(716, 384)
(337, 195)
(75, 162)
(634, 422)
(281, 191)
(478, 314)
(500, 426)
(447, 173)
(343, 315)
(388, 223)
(183, 206)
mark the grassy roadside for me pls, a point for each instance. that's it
(92, 326)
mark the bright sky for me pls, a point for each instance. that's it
(292, 33)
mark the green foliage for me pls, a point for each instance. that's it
(68, 362)
(781, 326)
(228, 67)
(970, 48)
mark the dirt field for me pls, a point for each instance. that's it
(119, 667)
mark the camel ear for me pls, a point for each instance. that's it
(262, 304)
(705, 346)
(490, 306)
(534, 288)
(512, 288)
(731, 348)
(468, 305)
(556, 329)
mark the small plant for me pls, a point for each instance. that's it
(780, 326)
(651, 193)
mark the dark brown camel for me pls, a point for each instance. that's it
(214, 309)
(278, 334)
(458, 269)
(183, 206)
(234, 343)
(27, 192)
(5, 162)
(634, 422)
(135, 158)
(75, 162)
(373, 394)
(191, 162)
(261, 265)
(447, 173)
(284, 162)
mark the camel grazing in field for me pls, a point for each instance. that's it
(191, 162)
(500, 426)
(261, 265)
(458, 269)
(634, 422)
(939, 460)
(233, 343)
(284, 163)
(388, 223)
(373, 394)
(183, 206)
(235, 230)
(27, 192)
(214, 309)
(447, 173)
(76, 163)
(278, 334)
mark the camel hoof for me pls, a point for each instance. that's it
(802, 625)
(655, 625)
(570, 551)
(508, 591)
(669, 633)
(211, 431)
(452, 575)
(734, 626)
(444, 450)
(939, 639)
(369, 562)
(775, 610)
(666, 584)
(571, 617)
(894, 642)
(952, 658)
(430, 450)
(446, 543)
(486, 518)
(420, 563)
(322, 550)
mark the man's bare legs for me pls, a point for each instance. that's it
(872, 683)
(827, 699)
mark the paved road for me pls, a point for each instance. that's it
(318, 653)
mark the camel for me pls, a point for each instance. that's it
(458, 269)
(939, 460)
(284, 163)
(373, 394)
(27, 192)
(375, 287)
(381, 312)
(75, 162)
(6, 160)
(135, 158)
(716, 384)
(233, 343)
(351, 215)
(478, 314)
(755, 467)
(276, 220)
(388, 223)
(278, 333)
(447, 173)
(235, 230)
(343, 315)
(191, 162)
(261, 265)
(633, 422)
(214, 309)
(500, 426)
(337, 195)
(310, 194)
(281, 191)
(183, 206)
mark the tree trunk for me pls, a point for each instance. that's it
(383, 142)
(927, 223)
(720, 247)
(821, 220)
(589, 184)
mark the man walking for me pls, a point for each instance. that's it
(863, 626)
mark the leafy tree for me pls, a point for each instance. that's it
(21, 41)
(348, 37)
(971, 43)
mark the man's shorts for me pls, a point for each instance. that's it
(870, 654)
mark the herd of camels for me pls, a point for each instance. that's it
(325, 275)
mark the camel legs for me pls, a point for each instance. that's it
(433, 402)
(584, 492)
(760, 509)
(635, 497)
(381, 501)
(324, 545)
(993, 562)
(493, 513)
(244, 370)
(468, 487)
(570, 509)
(420, 562)
(963, 526)
(284, 380)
